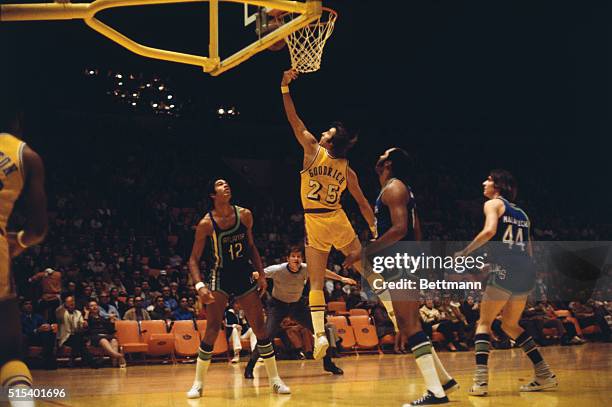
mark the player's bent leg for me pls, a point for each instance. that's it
(251, 304)
(494, 300)
(369, 276)
(408, 321)
(544, 378)
(214, 313)
(317, 263)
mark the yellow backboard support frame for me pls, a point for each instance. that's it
(308, 11)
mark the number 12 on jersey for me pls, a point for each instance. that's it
(235, 251)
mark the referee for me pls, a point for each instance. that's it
(289, 281)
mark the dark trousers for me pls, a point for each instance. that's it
(277, 311)
(597, 319)
(77, 344)
(47, 309)
(47, 341)
(10, 334)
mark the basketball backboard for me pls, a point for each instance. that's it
(305, 12)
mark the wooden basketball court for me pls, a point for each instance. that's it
(584, 372)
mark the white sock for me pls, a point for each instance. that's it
(428, 370)
(267, 353)
(385, 298)
(201, 369)
(442, 373)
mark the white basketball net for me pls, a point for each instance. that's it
(306, 44)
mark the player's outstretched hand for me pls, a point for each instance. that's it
(289, 76)
(349, 281)
(262, 285)
(351, 259)
(206, 297)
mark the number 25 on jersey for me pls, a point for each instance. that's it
(331, 197)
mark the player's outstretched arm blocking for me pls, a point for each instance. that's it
(303, 136)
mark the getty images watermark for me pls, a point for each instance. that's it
(565, 270)
(399, 264)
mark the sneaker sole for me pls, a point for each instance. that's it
(480, 393)
(541, 387)
(194, 396)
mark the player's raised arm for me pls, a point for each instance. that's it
(364, 205)
(304, 137)
(247, 216)
(203, 231)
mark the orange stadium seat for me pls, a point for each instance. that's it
(129, 337)
(154, 334)
(335, 307)
(358, 311)
(186, 338)
(220, 346)
(345, 331)
(365, 332)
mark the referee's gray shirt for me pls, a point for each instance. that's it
(288, 286)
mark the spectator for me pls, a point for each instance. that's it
(71, 290)
(51, 283)
(237, 328)
(71, 332)
(160, 311)
(118, 284)
(101, 333)
(452, 323)
(384, 325)
(168, 299)
(300, 338)
(106, 309)
(138, 312)
(588, 315)
(83, 300)
(114, 301)
(183, 312)
(37, 332)
(354, 299)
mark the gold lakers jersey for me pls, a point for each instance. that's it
(11, 184)
(323, 181)
(11, 175)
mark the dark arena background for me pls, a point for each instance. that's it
(130, 144)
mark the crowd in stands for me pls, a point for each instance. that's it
(117, 249)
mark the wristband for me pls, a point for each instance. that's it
(19, 241)
(374, 231)
(199, 285)
(284, 89)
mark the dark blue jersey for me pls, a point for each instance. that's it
(512, 235)
(230, 246)
(383, 215)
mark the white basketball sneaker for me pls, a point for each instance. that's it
(478, 390)
(320, 346)
(195, 392)
(538, 384)
(279, 387)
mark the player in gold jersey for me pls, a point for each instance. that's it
(21, 172)
(325, 175)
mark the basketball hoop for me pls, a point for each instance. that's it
(306, 44)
